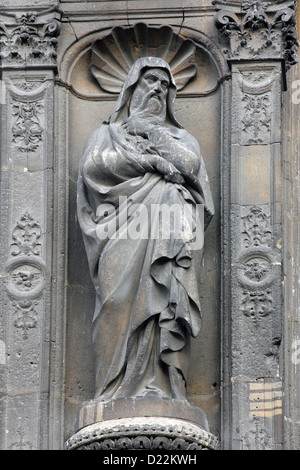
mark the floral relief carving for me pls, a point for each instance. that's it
(256, 121)
(26, 235)
(267, 39)
(139, 434)
(143, 442)
(255, 79)
(257, 304)
(257, 269)
(26, 315)
(256, 230)
(25, 278)
(257, 438)
(256, 30)
(29, 41)
(27, 131)
(26, 85)
(21, 443)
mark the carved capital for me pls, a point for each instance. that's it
(29, 39)
(259, 30)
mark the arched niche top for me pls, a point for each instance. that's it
(98, 64)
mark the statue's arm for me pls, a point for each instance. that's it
(184, 156)
(152, 162)
(136, 153)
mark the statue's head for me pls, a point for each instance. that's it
(149, 96)
(149, 87)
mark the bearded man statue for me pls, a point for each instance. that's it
(146, 280)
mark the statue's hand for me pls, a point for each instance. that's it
(139, 125)
(169, 171)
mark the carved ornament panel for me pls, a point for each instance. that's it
(259, 30)
(29, 38)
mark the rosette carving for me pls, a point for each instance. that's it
(25, 274)
(26, 235)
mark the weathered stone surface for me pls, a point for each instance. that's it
(27, 170)
(98, 411)
(47, 299)
(153, 433)
(256, 219)
(290, 355)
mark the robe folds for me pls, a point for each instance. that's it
(144, 269)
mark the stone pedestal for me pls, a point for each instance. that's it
(138, 423)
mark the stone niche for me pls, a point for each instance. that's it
(97, 66)
(61, 72)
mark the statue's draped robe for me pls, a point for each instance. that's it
(145, 274)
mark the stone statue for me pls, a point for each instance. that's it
(146, 280)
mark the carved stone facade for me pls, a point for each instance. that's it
(29, 38)
(62, 64)
(28, 43)
(259, 30)
(261, 38)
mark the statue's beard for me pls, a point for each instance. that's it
(149, 105)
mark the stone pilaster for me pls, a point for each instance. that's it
(261, 45)
(28, 43)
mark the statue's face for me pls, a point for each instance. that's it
(155, 82)
(151, 92)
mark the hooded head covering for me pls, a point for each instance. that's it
(120, 111)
